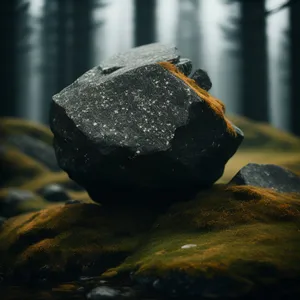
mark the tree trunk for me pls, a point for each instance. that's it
(188, 31)
(144, 22)
(295, 66)
(48, 69)
(8, 51)
(81, 37)
(63, 45)
(254, 60)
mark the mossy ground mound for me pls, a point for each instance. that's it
(25, 168)
(244, 238)
(67, 241)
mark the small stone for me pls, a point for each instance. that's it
(85, 278)
(54, 193)
(103, 293)
(102, 281)
(81, 289)
(157, 284)
(188, 246)
(184, 66)
(268, 176)
(202, 79)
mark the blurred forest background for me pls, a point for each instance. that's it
(250, 48)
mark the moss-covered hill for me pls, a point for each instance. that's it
(229, 241)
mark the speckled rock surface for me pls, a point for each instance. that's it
(268, 176)
(139, 130)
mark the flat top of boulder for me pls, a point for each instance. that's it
(146, 54)
(135, 118)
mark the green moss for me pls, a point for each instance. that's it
(80, 237)
(239, 233)
(244, 235)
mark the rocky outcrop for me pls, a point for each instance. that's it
(230, 241)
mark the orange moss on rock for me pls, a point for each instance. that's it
(215, 104)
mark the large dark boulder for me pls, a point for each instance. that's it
(140, 131)
(268, 176)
